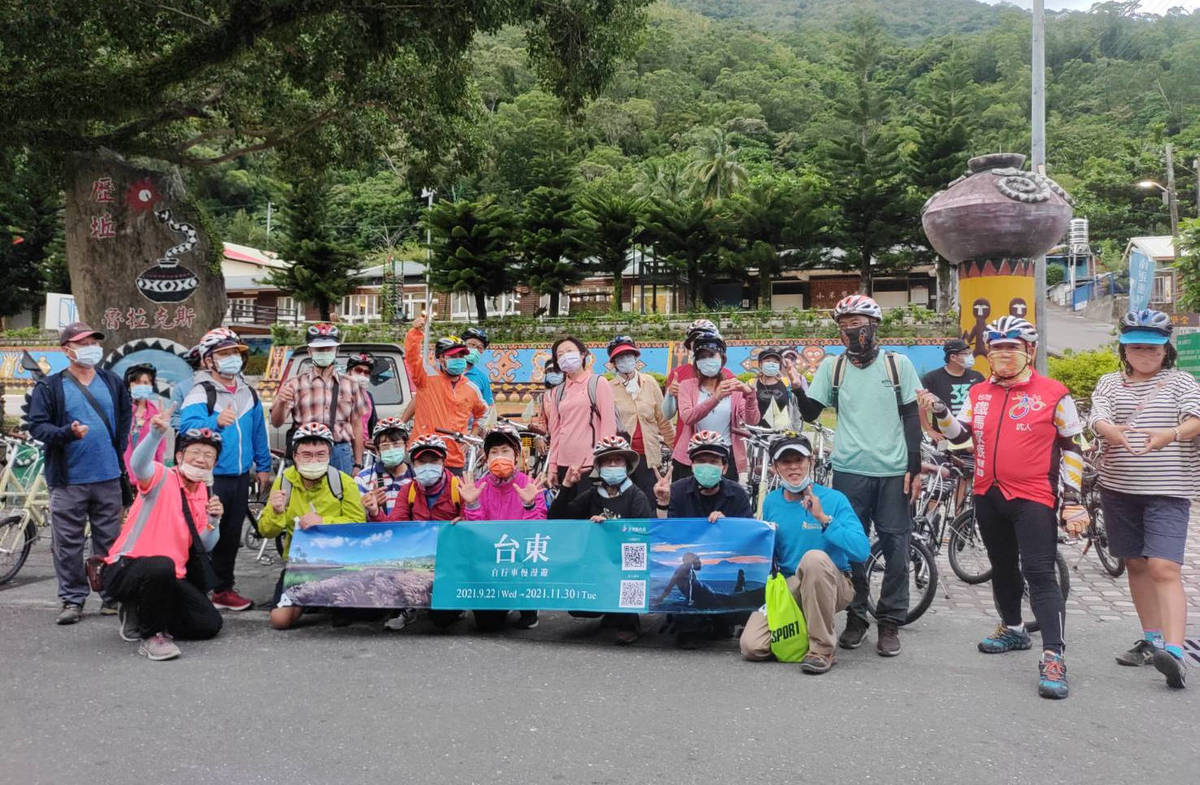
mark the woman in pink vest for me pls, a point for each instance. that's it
(708, 402)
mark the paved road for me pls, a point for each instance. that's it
(1069, 330)
(559, 704)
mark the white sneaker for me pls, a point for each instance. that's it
(401, 620)
(160, 647)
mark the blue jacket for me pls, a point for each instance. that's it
(797, 532)
(244, 441)
(478, 374)
(47, 421)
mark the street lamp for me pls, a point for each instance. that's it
(1169, 199)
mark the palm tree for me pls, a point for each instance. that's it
(715, 166)
(607, 227)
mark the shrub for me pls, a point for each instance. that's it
(1081, 370)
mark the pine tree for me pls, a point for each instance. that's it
(548, 249)
(321, 268)
(473, 249)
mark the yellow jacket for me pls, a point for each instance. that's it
(320, 497)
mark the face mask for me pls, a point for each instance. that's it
(428, 474)
(473, 356)
(1008, 366)
(89, 356)
(323, 359)
(798, 488)
(501, 467)
(769, 368)
(570, 362)
(313, 471)
(456, 366)
(859, 341)
(969, 361)
(196, 474)
(709, 366)
(613, 475)
(393, 456)
(708, 475)
(625, 364)
(141, 392)
(232, 365)
(554, 379)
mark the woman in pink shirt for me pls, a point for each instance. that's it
(579, 412)
(708, 402)
(140, 381)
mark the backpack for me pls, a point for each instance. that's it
(561, 389)
(210, 392)
(331, 474)
(454, 497)
(893, 375)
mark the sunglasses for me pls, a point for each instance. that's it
(1010, 335)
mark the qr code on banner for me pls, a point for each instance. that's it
(633, 594)
(633, 556)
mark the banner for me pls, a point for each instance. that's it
(1141, 279)
(645, 566)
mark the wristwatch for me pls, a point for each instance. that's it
(662, 506)
(357, 466)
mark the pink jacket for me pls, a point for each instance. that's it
(573, 433)
(500, 502)
(743, 408)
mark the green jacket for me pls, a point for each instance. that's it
(320, 497)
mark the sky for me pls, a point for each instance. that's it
(1148, 6)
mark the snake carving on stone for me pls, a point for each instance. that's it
(168, 281)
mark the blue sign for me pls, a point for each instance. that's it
(1141, 280)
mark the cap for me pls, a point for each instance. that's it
(76, 331)
(1153, 337)
(797, 444)
(955, 345)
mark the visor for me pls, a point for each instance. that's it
(623, 349)
(1152, 337)
(323, 343)
(457, 351)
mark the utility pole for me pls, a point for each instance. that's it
(428, 194)
(1172, 200)
(1196, 166)
(1038, 164)
(268, 223)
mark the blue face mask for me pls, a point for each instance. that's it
(625, 364)
(769, 369)
(456, 366)
(473, 356)
(709, 366)
(554, 379)
(613, 475)
(89, 356)
(229, 366)
(141, 392)
(393, 456)
(799, 488)
(708, 475)
(428, 474)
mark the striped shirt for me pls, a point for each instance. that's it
(1171, 471)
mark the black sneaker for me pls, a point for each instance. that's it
(526, 621)
(69, 613)
(1171, 667)
(131, 629)
(1141, 653)
(108, 608)
(888, 644)
(856, 630)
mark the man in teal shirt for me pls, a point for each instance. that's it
(876, 457)
(476, 339)
(817, 537)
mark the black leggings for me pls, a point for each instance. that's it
(164, 603)
(1022, 541)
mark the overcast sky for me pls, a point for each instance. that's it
(1148, 6)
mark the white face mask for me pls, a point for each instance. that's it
(196, 474)
(313, 471)
(969, 361)
(625, 364)
(324, 359)
(570, 362)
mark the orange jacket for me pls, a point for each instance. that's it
(441, 401)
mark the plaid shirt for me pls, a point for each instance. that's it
(311, 403)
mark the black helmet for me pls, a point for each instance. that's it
(478, 333)
(502, 434)
(449, 343)
(770, 351)
(359, 360)
(708, 341)
(136, 370)
(197, 436)
(790, 441)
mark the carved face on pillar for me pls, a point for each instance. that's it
(1019, 308)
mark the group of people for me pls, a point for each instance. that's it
(614, 452)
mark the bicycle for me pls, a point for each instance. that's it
(26, 502)
(945, 513)
(1096, 535)
(254, 509)
(822, 442)
(473, 452)
(760, 478)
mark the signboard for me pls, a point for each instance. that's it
(1188, 346)
(59, 311)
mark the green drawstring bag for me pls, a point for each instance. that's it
(789, 633)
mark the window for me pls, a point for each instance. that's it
(240, 310)
(462, 305)
(289, 311)
(360, 308)
(384, 384)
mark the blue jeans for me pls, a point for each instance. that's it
(342, 458)
(880, 501)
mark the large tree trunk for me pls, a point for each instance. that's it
(615, 306)
(766, 277)
(554, 302)
(481, 306)
(864, 272)
(945, 285)
(142, 267)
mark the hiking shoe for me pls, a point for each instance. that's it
(130, 627)
(1171, 667)
(1052, 676)
(526, 621)
(159, 647)
(888, 644)
(69, 613)
(230, 601)
(816, 663)
(108, 608)
(401, 620)
(1004, 639)
(856, 630)
(1141, 653)
(629, 633)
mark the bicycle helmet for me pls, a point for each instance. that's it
(313, 431)
(1146, 326)
(197, 436)
(386, 424)
(220, 338)
(857, 305)
(502, 434)
(696, 328)
(709, 341)
(449, 346)
(192, 358)
(614, 445)
(322, 334)
(790, 441)
(478, 333)
(709, 442)
(1010, 329)
(427, 443)
(360, 360)
(622, 344)
(136, 370)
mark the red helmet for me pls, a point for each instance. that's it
(857, 305)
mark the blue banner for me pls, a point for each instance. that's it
(1141, 280)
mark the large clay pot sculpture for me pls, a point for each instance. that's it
(996, 211)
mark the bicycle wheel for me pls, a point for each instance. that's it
(1064, 586)
(967, 554)
(1114, 565)
(922, 579)
(16, 540)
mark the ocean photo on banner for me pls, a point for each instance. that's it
(698, 567)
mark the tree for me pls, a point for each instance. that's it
(607, 229)
(686, 232)
(30, 232)
(321, 267)
(715, 166)
(472, 249)
(549, 259)
(1189, 265)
